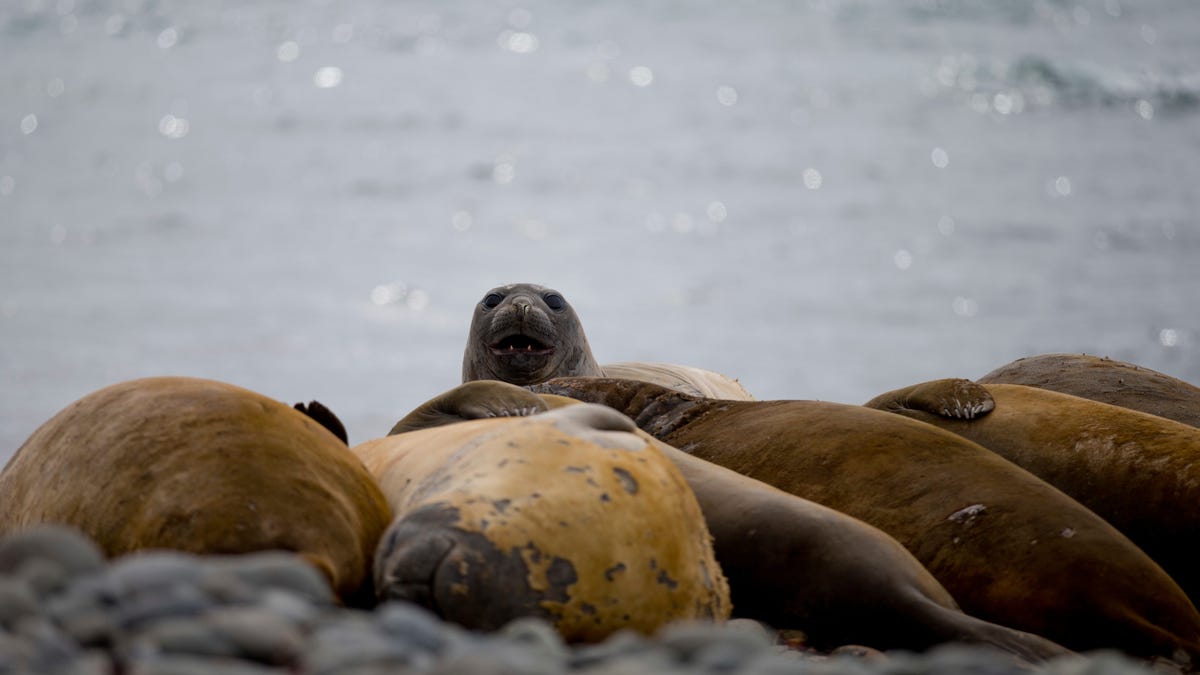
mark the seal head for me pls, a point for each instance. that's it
(525, 334)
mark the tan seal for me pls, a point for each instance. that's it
(566, 515)
(1139, 472)
(524, 334)
(1105, 380)
(199, 466)
(791, 563)
(1009, 547)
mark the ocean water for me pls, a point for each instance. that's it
(824, 199)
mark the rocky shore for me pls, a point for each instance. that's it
(64, 609)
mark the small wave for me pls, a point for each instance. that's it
(1034, 81)
(1080, 86)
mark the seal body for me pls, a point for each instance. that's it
(525, 334)
(199, 466)
(1008, 546)
(1105, 380)
(1140, 472)
(567, 515)
(686, 379)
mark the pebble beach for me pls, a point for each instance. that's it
(64, 610)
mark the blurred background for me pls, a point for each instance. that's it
(824, 199)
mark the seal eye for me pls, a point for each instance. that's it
(555, 302)
(491, 300)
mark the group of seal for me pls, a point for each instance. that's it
(628, 495)
(790, 562)
(1138, 471)
(1009, 546)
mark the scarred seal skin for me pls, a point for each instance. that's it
(1009, 547)
(1105, 380)
(790, 562)
(525, 333)
(567, 515)
(199, 466)
(1140, 472)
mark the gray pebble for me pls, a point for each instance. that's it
(538, 636)
(498, 659)
(69, 548)
(176, 600)
(259, 635)
(276, 569)
(17, 601)
(353, 641)
(416, 626)
(645, 662)
(960, 659)
(46, 648)
(619, 644)
(149, 571)
(1106, 662)
(290, 606)
(45, 577)
(788, 662)
(497, 654)
(197, 665)
(178, 636)
(727, 644)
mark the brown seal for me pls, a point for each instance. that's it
(1139, 472)
(1105, 380)
(524, 334)
(1009, 547)
(566, 515)
(199, 466)
(791, 563)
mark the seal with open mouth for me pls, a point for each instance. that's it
(526, 334)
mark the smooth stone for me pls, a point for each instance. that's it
(352, 641)
(167, 601)
(279, 570)
(620, 644)
(149, 571)
(179, 636)
(64, 545)
(258, 634)
(17, 601)
(291, 606)
(688, 638)
(197, 665)
(538, 635)
(416, 626)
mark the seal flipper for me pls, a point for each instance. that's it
(325, 417)
(474, 400)
(954, 398)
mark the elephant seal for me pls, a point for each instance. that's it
(1010, 548)
(1105, 380)
(524, 334)
(566, 515)
(1140, 472)
(199, 466)
(791, 563)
